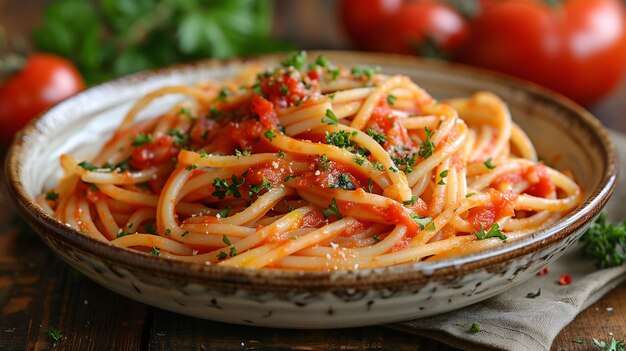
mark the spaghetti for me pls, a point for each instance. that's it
(312, 167)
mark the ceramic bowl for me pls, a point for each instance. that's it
(560, 129)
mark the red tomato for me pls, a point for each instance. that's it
(426, 28)
(362, 19)
(405, 27)
(577, 48)
(43, 81)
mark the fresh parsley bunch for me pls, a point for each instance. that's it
(108, 38)
(606, 242)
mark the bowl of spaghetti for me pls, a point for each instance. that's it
(350, 188)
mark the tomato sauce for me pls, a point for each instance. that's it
(499, 206)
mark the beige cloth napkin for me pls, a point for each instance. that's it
(510, 321)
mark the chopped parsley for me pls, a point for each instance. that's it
(223, 94)
(376, 238)
(255, 189)
(370, 187)
(233, 251)
(179, 138)
(579, 340)
(322, 61)
(141, 139)
(422, 222)
(412, 201)
(51, 195)
(168, 231)
(443, 175)
(239, 153)
(378, 137)
(378, 166)
(323, 162)
(330, 118)
(605, 242)
(489, 163)
(280, 154)
(391, 99)
(150, 228)
(340, 139)
(359, 159)
(532, 295)
(269, 134)
(364, 71)
(612, 345)
(407, 160)
(222, 255)
(191, 167)
(184, 234)
(427, 146)
(203, 154)
(54, 333)
(332, 210)
(9, 330)
(222, 189)
(90, 167)
(223, 213)
(122, 233)
(284, 89)
(160, 333)
(185, 111)
(344, 182)
(226, 240)
(475, 328)
(493, 232)
(155, 251)
(287, 178)
(469, 195)
(296, 60)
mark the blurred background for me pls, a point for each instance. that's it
(576, 47)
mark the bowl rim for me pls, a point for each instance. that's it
(404, 274)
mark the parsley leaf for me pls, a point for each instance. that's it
(443, 175)
(532, 295)
(378, 137)
(255, 189)
(391, 99)
(90, 167)
(330, 118)
(427, 146)
(155, 251)
(323, 162)
(344, 182)
(222, 189)
(51, 195)
(223, 94)
(242, 153)
(489, 163)
(54, 333)
(270, 134)
(364, 71)
(475, 328)
(332, 210)
(422, 222)
(191, 167)
(185, 111)
(412, 201)
(612, 345)
(605, 242)
(339, 139)
(494, 232)
(179, 138)
(223, 213)
(226, 240)
(222, 255)
(370, 187)
(141, 139)
(295, 60)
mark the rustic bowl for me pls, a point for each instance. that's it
(560, 129)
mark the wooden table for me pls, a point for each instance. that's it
(38, 291)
